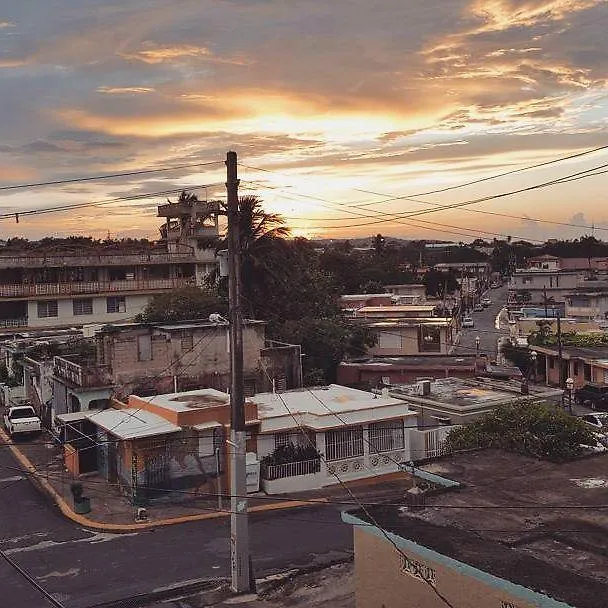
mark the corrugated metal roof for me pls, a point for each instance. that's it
(132, 423)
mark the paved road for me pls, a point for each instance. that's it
(83, 568)
(484, 327)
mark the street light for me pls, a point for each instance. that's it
(533, 356)
(569, 387)
(477, 341)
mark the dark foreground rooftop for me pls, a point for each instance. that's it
(541, 525)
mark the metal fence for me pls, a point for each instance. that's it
(270, 472)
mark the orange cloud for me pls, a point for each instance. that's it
(153, 53)
(124, 90)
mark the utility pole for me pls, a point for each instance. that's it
(545, 302)
(559, 350)
(239, 524)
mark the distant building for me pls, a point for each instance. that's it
(72, 285)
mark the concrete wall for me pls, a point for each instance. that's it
(401, 341)
(384, 578)
(134, 304)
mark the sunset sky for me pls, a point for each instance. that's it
(343, 104)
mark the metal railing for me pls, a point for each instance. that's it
(92, 287)
(78, 374)
(270, 472)
(4, 323)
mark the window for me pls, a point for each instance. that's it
(575, 369)
(551, 363)
(280, 440)
(186, 342)
(144, 348)
(83, 306)
(47, 308)
(587, 372)
(429, 339)
(116, 304)
(386, 436)
(344, 443)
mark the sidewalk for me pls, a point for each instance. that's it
(112, 511)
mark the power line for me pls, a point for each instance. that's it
(476, 181)
(108, 176)
(132, 197)
(30, 579)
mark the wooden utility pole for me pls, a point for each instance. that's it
(560, 357)
(239, 524)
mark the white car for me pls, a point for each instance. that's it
(468, 322)
(22, 419)
(598, 421)
(486, 302)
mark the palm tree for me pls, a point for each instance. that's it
(256, 227)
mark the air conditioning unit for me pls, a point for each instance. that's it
(424, 388)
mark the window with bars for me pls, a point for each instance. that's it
(344, 443)
(386, 436)
(82, 306)
(187, 342)
(302, 439)
(47, 308)
(281, 439)
(116, 304)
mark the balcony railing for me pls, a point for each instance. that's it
(86, 376)
(6, 323)
(271, 472)
(92, 287)
(92, 260)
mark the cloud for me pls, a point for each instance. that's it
(124, 90)
(153, 53)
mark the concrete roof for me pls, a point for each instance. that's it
(423, 362)
(399, 308)
(539, 525)
(132, 423)
(597, 353)
(188, 400)
(469, 395)
(325, 407)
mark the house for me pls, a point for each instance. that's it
(589, 300)
(453, 401)
(582, 364)
(407, 293)
(507, 553)
(359, 434)
(350, 303)
(153, 446)
(408, 330)
(73, 284)
(161, 357)
(532, 285)
(375, 371)
(545, 262)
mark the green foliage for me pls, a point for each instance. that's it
(529, 428)
(182, 304)
(288, 453)
(518, 356)
(580, 340)
(325, 343)
(3, 373)
(436, 282)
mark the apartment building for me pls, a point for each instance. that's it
(64, 284)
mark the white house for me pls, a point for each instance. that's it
(358, 434)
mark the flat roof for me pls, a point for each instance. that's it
(598, 353)
(537, 524)
(470, 394)
(326, 406)
(132, 423)
(439, 361)
(188, 400)
(399, 308)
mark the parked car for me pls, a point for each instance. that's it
(22, 419)
(593, 395)
(468, 322)
(478, 308)
(486, 302)
(597, 421)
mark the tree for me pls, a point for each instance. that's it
(530, 428)
(437, 282)
(325, 343)
(182, 304)
(518, 356)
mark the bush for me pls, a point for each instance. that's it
(529, 428)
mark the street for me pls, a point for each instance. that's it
(82, 568)
(484, 327)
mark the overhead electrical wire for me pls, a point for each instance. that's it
(108, 176)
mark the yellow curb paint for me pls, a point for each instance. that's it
(118, 528)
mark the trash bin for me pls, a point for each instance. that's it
(83, 505)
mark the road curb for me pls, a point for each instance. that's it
(92, 524)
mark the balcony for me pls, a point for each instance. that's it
(93, 287)
(8, 323)
(83, 374)
(117, 258)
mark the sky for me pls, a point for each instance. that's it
(340, 113)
